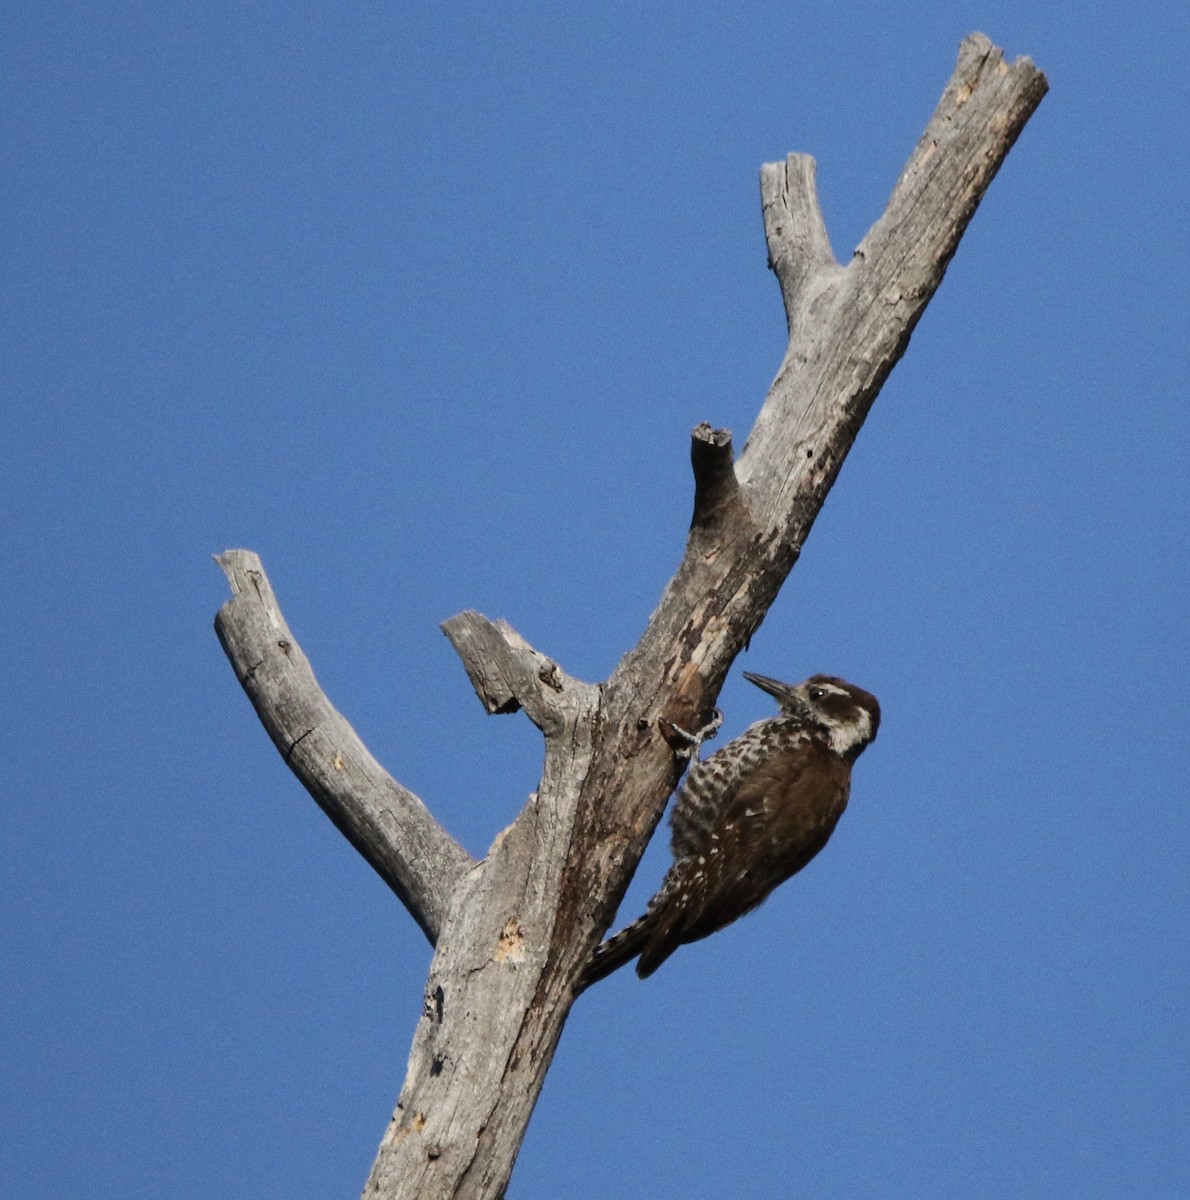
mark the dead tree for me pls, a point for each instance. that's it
(513, 931)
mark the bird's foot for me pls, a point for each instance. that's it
(685, 743)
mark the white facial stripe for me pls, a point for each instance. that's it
(846, 735)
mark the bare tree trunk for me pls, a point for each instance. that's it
(513, 931)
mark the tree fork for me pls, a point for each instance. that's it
(513, 931)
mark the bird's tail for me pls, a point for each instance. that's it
(617, 950)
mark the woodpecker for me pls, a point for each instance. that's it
(750, 816)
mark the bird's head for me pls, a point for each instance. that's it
(847, 714)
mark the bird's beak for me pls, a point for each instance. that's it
(783, 693)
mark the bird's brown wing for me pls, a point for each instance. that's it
(781, 815)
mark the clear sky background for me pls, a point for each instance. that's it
(420, 302)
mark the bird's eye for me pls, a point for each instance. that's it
(817, 693)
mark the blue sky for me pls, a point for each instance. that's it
(421, 303)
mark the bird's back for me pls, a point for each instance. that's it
(784, 793)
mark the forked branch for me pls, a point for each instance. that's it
(516, 929)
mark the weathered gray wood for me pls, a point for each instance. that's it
(520, 925)
(387, 824)
(506, 672)
(849, 326)
(800, 252)
(498, 991)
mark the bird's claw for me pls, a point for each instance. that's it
(685, 744)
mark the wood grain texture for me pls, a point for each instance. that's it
(515, 930)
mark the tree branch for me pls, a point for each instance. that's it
(800, 252)
(517, 929)
(848, 327)
(716, 489)
(864, 315)
(387, 824)
(506, 672)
